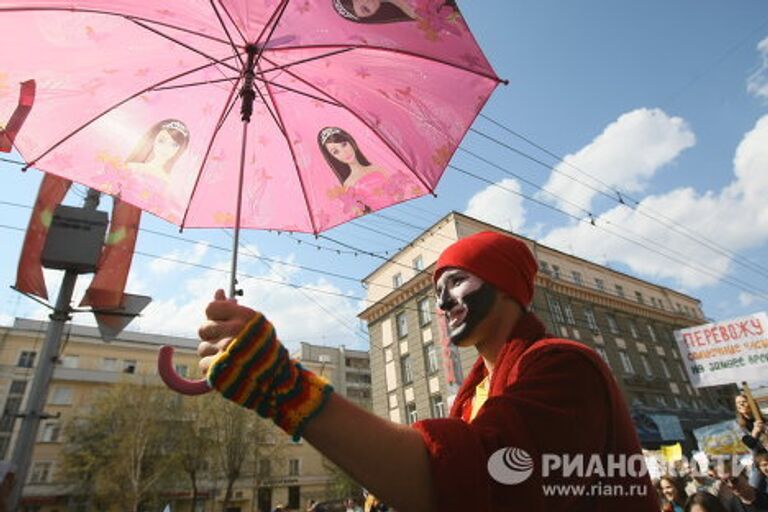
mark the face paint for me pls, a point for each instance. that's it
(466, 300)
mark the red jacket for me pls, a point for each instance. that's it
(547, 396)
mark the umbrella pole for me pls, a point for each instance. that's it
(247, 95)
(233, 291)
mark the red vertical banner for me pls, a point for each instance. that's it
(11, 130)
(108, 285)
(29, 277)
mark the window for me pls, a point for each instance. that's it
(569, 314)
(590, 316)
(626, 362)
(661, 401)
(418, 263)
(653, 301)
(554, 309)
(544, 267)
(681, 371)
(18, 387)
(437, 405)
(182, 370)
(50, 432)
(555, 271)
(678, 403)
(293, 467)
(601, 351)
(294, 497)
(109, 364)
(577, 278)
(411, 416)
(70, 361)
(633, 329)
(430, 358)
(613, 325)
(652, 333)
(41, 472)
(26, 359)
(425, 311)
(129, 366)
(61, 396)
(265, 468)
(639, 297)
(646, 365)
(401, 322)
(397, 280)
(665, 369)
(600, 284)
(619, 290)
(405, 368)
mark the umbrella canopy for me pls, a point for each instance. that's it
(301, 114)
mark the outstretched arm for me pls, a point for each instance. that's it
(253, 370)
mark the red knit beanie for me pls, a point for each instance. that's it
(500, 260)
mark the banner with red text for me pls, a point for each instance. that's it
(726, 352)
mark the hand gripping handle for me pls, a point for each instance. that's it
(175, 381)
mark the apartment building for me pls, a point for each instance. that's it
(628, 321)
(295, 474)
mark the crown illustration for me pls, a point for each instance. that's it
(344, 11)
(327, 132)
(178, 126)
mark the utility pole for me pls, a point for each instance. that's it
(49, 355)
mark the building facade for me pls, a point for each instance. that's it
(293, 475)
(628, 321)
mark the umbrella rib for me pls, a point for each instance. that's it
(225, 112)
(107, 13)
(113, 107)
(375, 131)
(194, 84)
(274, 118)
(231, 20)
(280, 8)
(295, 162)
(391, 50)
(229, 36)
(277, 18)
(302, 93)
(184, 45)
(308, 59)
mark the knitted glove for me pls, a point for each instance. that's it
(255, 372)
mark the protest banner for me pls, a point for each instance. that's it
(725, 352)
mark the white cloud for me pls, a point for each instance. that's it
(747, 299)
(497, 205)
(295, 316)
(743, 198)
(625, 156)
(757, 83)
(169, 261)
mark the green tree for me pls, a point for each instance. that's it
(124, 450)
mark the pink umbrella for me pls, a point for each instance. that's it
(293, 115)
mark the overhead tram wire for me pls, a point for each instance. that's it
(304, 292)
(741, 285)
(619, 197)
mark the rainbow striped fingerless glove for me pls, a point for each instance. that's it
(256, 372)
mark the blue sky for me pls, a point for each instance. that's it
(666, 102)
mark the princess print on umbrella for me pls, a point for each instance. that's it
(159, 149)
(145, 178)
(363, 186)
(432, 16)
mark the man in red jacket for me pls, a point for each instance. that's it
(539, 424)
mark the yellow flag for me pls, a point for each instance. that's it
(672, 453)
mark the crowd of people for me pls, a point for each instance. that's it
(726, 486)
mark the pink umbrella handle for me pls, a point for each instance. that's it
(175, 381)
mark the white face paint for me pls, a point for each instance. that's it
(466, 300)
